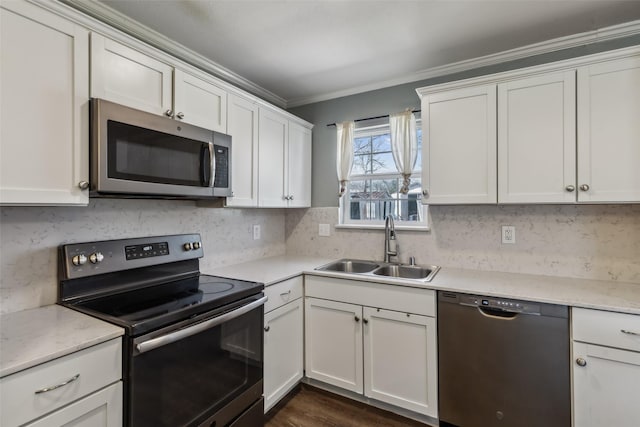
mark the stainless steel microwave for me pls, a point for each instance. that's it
(138, 154)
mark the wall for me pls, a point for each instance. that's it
(394, 99)
(594, 242)
(29, 237)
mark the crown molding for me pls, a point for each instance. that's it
(553, 45)
(117, 20)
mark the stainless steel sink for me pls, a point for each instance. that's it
(407, 271)
(369, 268)
(350, 266)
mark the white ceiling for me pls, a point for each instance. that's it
(310, 50)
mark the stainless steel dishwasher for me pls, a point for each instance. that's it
(502, 362)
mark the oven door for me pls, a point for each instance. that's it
(208, 372)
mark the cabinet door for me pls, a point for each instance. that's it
(100, 409)
(243, 127)
(606, 389)
(124, 75)
(609, 131)
(333, 343)
(273, 136)
(44, 107)
(537, 139)
(299, 166)
(459, 146)
(199, 102)
(283, 349)
(400, 360)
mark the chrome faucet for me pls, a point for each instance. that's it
(390, 246)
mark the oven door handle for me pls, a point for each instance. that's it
(163, 340)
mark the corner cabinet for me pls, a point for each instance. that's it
(130, 77)
(373, 339)
(540, 156)
(283, 340)
(606, 369)
(44, 79)
(284, 161)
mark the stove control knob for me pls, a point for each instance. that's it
(96, 257)
(196, 245)
(187, 246)
(79, 259)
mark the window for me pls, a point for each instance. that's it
(373, 189)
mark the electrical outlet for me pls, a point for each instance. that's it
(324, 230)
(256, 232)
(508, 234)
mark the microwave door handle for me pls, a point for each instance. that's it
(212, 162)
(172, 337)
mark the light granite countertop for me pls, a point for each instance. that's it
(597, 294)
(31, 337)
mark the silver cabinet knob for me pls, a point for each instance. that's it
(425, 193)
(584, 187)
(83, 185)
(581, 362)
(187, 246)
(180, 116)
(290, 197)
(266, 328)
(196, 245)
(79, 259)
(96, 258)
(570, 188)
(168, 113)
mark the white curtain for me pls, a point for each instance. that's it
(344, 160)
(404, 145)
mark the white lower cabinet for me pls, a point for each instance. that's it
(80, 389)
(606, 379)
(397, 359)
(333, 343)
(283, 340)
(101, 409)
(373, 339)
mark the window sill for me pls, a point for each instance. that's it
(423, 228)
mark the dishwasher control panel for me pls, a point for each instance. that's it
(504, 304)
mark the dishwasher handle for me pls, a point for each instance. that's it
(497, 314)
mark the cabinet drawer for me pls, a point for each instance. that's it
(606, 328)
(282, 293)
(95, 367)
(378, 295)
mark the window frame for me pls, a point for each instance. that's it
(372, 128)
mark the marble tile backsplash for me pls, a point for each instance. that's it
(29, 237)
(595, 242)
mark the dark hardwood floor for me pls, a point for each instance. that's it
(311, 407)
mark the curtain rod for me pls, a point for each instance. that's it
(372, 118)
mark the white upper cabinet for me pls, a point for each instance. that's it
(299, 166)
(273, 137)
(459, 146)
(199, 102)
(537, 139)
(284, 162)
(44, 108)
(242, 121)
(609, 131)
(127, 76)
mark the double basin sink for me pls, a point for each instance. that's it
(400, 271)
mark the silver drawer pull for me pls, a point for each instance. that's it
(285, 294)
(624, 331)
(62, 384)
